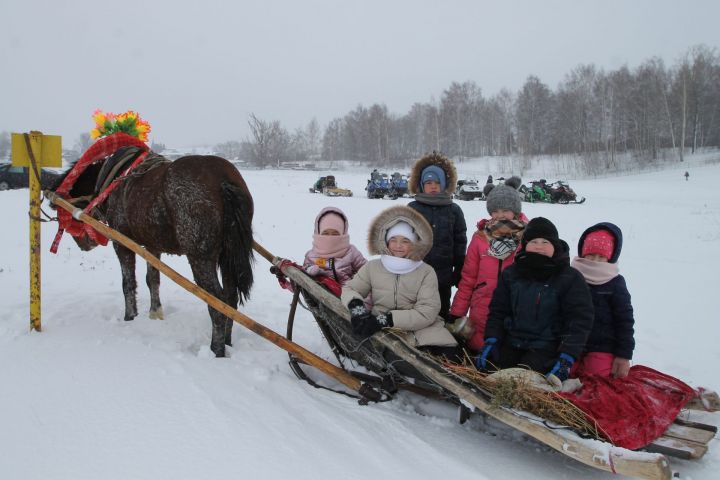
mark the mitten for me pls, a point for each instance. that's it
(488, 351)
(366, 326)
(359, 315)
(562, 367)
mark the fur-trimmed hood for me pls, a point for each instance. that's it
(389, 217)
(441, 161)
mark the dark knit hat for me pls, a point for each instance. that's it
(505, 197)
(541, 227)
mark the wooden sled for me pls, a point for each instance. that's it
(398, 365)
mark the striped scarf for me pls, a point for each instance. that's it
(503, 237)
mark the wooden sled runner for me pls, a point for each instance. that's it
(398, 365)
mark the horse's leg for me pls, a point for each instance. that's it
(129, 284)
(152, 278)
(230, 292)
(205, 274)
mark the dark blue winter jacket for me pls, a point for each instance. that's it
(542, 303)
(613, 330)
(449, 240)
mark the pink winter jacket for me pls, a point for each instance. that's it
(480, 276)
(333, 256)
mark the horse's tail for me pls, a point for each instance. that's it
(236, 256)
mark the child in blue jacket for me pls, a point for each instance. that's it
(611, 343)
(433, 179)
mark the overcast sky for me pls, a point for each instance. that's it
(196, 69)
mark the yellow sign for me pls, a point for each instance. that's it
(47, 150)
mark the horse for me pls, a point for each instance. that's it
(197, 206)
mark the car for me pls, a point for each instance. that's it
(17, 177)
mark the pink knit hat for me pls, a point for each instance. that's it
(599, 242)
(332, 220)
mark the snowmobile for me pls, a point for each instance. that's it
(469, 189)
(394, 365)
(379, 185)
(560, 192)
(327, 186)
(399, 185)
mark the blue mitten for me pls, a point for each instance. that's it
(562, 367)
(488, 350)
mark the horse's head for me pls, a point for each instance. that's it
(81, 194)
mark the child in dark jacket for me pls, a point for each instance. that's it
(611, 343)
(541, 312)
(433, 179)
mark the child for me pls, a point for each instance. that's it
(541, 312)
(492, 249)
(403, 287)
(433, 179)
(332, 254)
(611, 343)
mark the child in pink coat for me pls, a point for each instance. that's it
(332, 255)
(492, 249)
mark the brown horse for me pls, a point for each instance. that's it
(197, 206)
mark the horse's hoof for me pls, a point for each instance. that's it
(157, 314)
(127, 319)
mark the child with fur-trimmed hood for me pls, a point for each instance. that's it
(492, 249)
(332, 255)
(403, 287)
(433, 179)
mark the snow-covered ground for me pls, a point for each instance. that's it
(95, 397)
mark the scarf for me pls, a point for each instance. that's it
(539, 267)
(331, 246)
(399, 265)
(503, 237)
(434, 199)
(595, 273)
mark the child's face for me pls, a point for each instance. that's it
(431, 187)
(330, 231)
(502, 214)
(541, 246)
(399, 246)
(596, 257)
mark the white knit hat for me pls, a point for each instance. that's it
(402, 229)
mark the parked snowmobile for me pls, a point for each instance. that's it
(399, 185)
(560, 192)
(379, 185)
(537, 191)
(327, 186)
(469, 189)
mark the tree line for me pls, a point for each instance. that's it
(599, 115)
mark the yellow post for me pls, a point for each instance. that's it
(35, 323)
(35, 150)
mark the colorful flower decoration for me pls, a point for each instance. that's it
(128, 122)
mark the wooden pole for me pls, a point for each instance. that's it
(35, 199)
(306, 356)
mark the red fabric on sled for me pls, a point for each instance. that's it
(635, 410)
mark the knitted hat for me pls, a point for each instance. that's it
(331, 220)
(435, 174)
(599, 242)
(541, 227)
(402, 229)
(504, 197)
